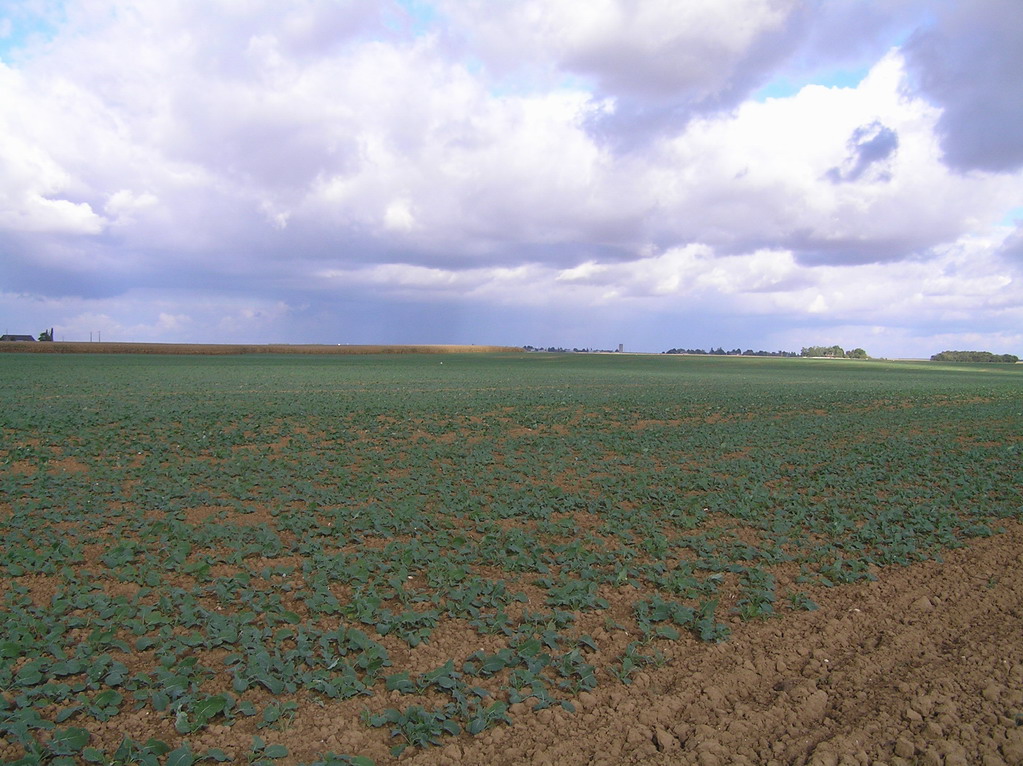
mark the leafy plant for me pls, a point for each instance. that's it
(418, 726)
(632, 659)
(261, 753)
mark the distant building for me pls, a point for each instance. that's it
(621, 347)
(17, 338)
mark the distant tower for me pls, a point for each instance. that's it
(621, 347)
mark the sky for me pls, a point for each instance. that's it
(763, 174)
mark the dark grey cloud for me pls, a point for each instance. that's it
(843, 34)
(59, 266)
(650, 102)
(1012, 248)
(657, 91)
(869, 147)
(811, 249)
(661, 63)
(226, 33)
(970, 63)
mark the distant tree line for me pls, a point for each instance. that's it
(974, 356)
(834, 352)
(560, 350)
(734, 352)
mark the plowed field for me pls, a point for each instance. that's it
(923, 666)
(509, 559)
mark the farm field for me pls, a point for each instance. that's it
(233, 349)
(509, 558)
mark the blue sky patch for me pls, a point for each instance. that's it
(422, 15)
(786, 87)
(1013, 217)
(20, 29)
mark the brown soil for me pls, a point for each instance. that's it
(924, 666)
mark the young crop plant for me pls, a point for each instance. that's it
(262, 754)
(278, 716)
(410, 626)
(840, 570)
(757, 596)
(655, 610)
(416, 725)
(332, 759)
(799, 600)
(565, 591)
(632, 660)
(191, 715)
(707, 628)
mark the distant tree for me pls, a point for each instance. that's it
(736, 351)
(857, 353)
(46, 335)
(836, 352)
(974, 356)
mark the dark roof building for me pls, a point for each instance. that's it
(17, 337)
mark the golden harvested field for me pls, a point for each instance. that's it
(59, 347)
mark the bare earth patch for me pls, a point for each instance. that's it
(923, 666)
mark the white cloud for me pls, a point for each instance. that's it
(761, 176)
(34, 184)
(172, 322)
(123, 204)
(277, 218)
(818, 306)
(285, 154)
(659, 48)
(34, 213)
(398, 216)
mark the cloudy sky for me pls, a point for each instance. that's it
(767, 174)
